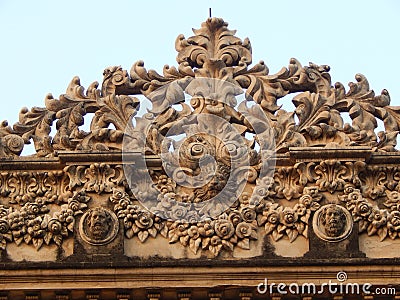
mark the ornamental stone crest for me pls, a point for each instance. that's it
(215, 165)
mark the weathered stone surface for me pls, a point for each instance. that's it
(205, 187)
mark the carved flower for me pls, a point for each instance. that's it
(306, 200)
(362, 210)
(178, 212)
(191, 216)
(235, 217)
(215, 245)
(393, 200)
(144, 220)
(166, 201)
(193, 232)
(55, 226)
(393, 196)
(224, 228)
(262, 190)
(378, 217)
(178, 231)
(288, 217)
(273, 217)
(36, 228)
(74, 205)
(348, 188)
(117, 196)
(354, 196)
(300, 209)
(206, 229)
(81, 197)
(249, 214)
(65, 215)
(394, 221)
(246, 230)
(36, 208)
(268, 213)
(181, 228)
(32, 208)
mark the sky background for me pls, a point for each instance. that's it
(44, 44)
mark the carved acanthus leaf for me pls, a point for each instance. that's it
(212, 42)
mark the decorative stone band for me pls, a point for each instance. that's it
(367, 194)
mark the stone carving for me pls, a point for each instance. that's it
(213, 52)
(98, 226)
(373, 219)
(97, 177)
(23, 186)
(332, 223)
(33, 224)
(220, 168)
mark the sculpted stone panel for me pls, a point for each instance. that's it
(332, 223)
(98, 226)
(204, 168)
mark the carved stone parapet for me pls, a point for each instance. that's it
(202, 168)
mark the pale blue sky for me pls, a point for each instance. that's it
(45, 43)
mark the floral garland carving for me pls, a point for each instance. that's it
(33, 225)
(372, 219)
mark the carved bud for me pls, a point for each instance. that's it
(4, 226)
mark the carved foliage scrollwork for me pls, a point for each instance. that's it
(23, 186)
(212, 52)
(97, 177)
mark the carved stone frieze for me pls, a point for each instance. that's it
(23, 186)
(214, 163)
(33, 223)
(97, 177)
